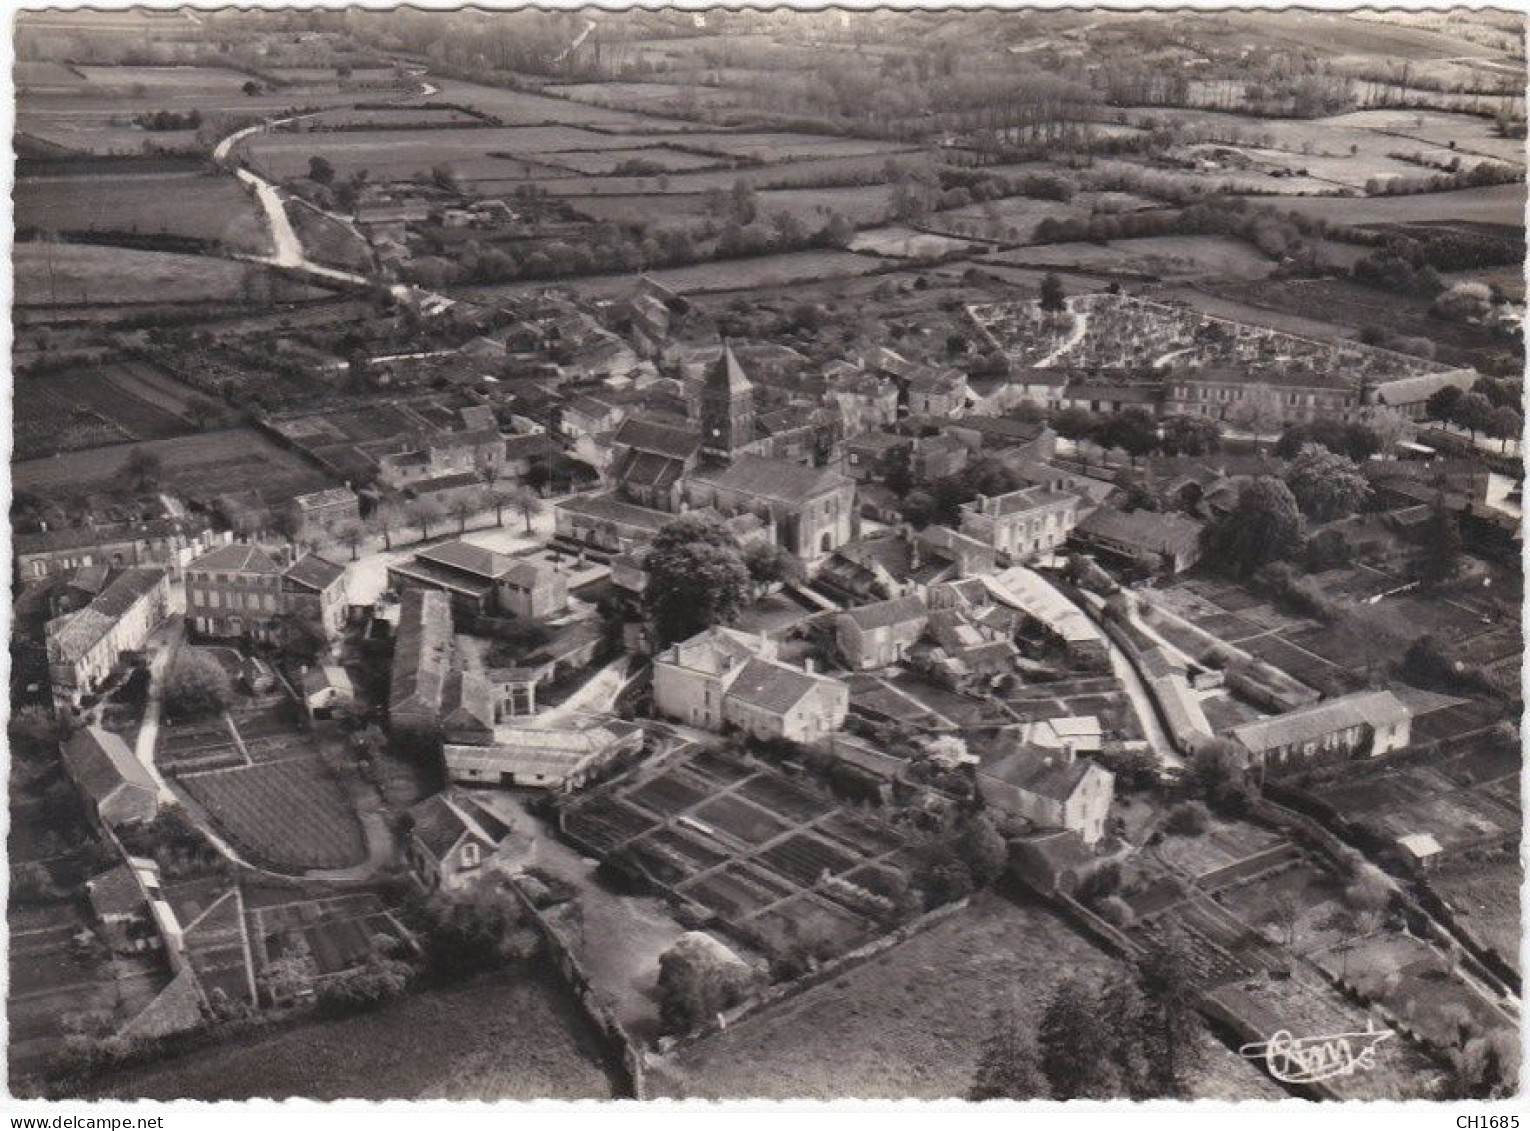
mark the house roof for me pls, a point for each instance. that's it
(1307, 724)
(74, 635)
(1003, 429)
(467, 700)
(422, 649)
(1023, 501)
(772, 479)
(468, 558)
(440, 821)
(325, 677)
(727, 374)
(1144, 530)
(1042, 772)
(883, 614)
(100, 763)
(115, 892)
(773, 687)
(652, 436)
(78, 537)
(650, 470)
(237, 557)
(313, 572)
(1411, 390)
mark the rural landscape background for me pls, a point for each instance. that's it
(259, 254)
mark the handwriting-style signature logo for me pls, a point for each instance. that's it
(1306, 1060)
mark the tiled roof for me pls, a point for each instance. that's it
(79, 537)
(74, 635)
(773, 479)
(1309, 724)
(772, 687)
(468, 558)
(422, 649)
(651, 436)
(882, 614)
(1041, 772)
(1145, 530)
(100, 762)
(239, 557)
(314, 572)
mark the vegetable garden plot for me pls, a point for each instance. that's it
(806, 858)
(741, 819)
(666, 795)
(288, 816)
(603, 822)
(781, 796)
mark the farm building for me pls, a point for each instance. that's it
(1219, 392)
(879, 634)
(85, 646)
(480, 581)
(422, 657)
(1173, 539)
(811, 508)
(1044, 607)
(1053, 789)
(117, 789)
(1014, 438)
(555, 761)
(1366, 723)
(1410, 395)
(1021, 524)
(313, 588)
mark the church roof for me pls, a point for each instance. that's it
(727, 373)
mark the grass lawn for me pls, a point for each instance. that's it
(911, 1022)
(49, 274)
(510, 1037)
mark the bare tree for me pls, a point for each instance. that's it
(528, 503)
(423, 513)
(462, 509)
(352, 535)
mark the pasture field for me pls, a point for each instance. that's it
(207, 207)
(727, 275)
(521, 108)
(1485, 897)
(392, 117)
(1014, 219)
(287, 815)
(605, 161)
(1469, 133)
(774, 148)
(911, 1022)
(103, 275)
(860, 204)
(401, 154)
(1491, 204)
(508, 1036)
(897, 242)
(105, 136)
(1160, 256)
(199, 467)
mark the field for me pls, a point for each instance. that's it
(1156, 256)
(128, 400)
(210, 208)
(911, 1022)
(512, 1036)
(1485, 895)
(731, 275)
(906, 243)
(199, 467)
(743, 842)
(96, 275)
(1493, 204)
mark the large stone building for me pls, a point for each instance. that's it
(85, 646)
(169, 542)
(243, 590)
(1052, 789)
(1365, 723)
(1021, 524)
(724, 678)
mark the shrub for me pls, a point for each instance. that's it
(1116, 911)
(698, 978)
(198, 685)
(1188, 819)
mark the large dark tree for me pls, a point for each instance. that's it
(1009, 1066)
(1325, 484)
(696, 578)
(1439, 549)
(1169, 1026)
(1190, 436)
(1265, 525)
(1052, 295)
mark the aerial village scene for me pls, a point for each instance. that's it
(715, 554)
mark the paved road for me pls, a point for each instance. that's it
(170, 637)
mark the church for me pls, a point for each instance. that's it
(720, 458)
